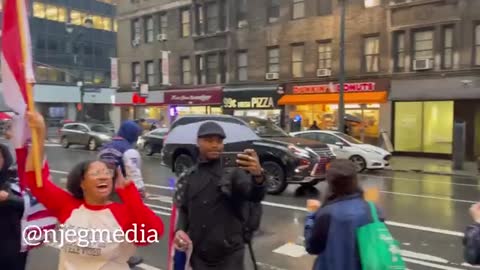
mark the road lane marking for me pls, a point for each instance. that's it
(427, 196)
(302, 209)
(432, 265)
(422, 256)
(291, 250)
(158, 207)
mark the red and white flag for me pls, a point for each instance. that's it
(17, 76)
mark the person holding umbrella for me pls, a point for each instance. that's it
(209, 197)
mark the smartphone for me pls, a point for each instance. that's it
(229, 159)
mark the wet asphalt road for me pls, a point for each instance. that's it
(426, 214)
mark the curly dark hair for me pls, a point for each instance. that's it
(76, 176)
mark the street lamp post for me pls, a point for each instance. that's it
(88, 23)
(341, 101)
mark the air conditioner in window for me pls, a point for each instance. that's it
(161, 37)
(272, 76)
(422, 64)
(136, 42)
(324, 72)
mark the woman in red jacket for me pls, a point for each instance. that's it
(95, 233)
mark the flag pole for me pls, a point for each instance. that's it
(31, 106)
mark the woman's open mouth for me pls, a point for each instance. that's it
(102, 187)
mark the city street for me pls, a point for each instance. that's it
(426, 213)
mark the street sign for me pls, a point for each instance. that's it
(92, 90)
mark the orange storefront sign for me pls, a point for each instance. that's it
(333, 98)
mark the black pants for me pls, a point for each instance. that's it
(17, 262)
(234, 261)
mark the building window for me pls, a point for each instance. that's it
(423, 45)
(399, 51)
(273, 60)
(136, 30)
(241, 13)
(200, 20)
(212, 68)
(371, 54)
(447, 56)
(149, 29)
(186, 27)
(102, 23)
(162, 23)
(242, 66)
(49, 12)
(150, 73)
(223, 16)
(160, 71)
(200, 69)
(297, 61)
(372, 3)
(186, 70)
(298, 9)
(212, 17)
(223, 67)
(136, 72)
(273, 11)
(324, 7)
(477, 45)
(325, 55)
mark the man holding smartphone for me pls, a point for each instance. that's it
(208, 196)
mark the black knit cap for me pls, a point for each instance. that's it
(211, 129)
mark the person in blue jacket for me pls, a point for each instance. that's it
(330, 232)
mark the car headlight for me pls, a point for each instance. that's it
(104, 137)
(298, 151)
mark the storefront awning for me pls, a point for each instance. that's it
(362, 98)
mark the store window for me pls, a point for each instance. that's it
(424, 127)
(447, 56)
(399, 51)
(273, 60)
(186, 70)
(298, 9)
(325, 55)
(273, 11)
(185, 23)
(297, 60)
(371, 54)
(242, 66)
(423, 45)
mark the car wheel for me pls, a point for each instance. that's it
(65, 142)
(148, 149)
(276, 182)
(359, 162)
(92, 144)
(182, 163)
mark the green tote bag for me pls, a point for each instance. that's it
(376, 246)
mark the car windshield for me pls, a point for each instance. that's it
(348, 138)
(100, 129)
(265, 128)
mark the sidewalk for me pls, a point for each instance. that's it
(432, 166)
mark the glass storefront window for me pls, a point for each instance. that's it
(39, 10)
(424, 127)
(157, 114)
(272, 115)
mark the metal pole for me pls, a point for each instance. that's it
(82, 103)
(341, 101)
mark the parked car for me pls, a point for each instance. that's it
(365, 156)
(91, 136)
(152, 141)
(285, 159)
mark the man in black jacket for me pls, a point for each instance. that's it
(208, 197)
